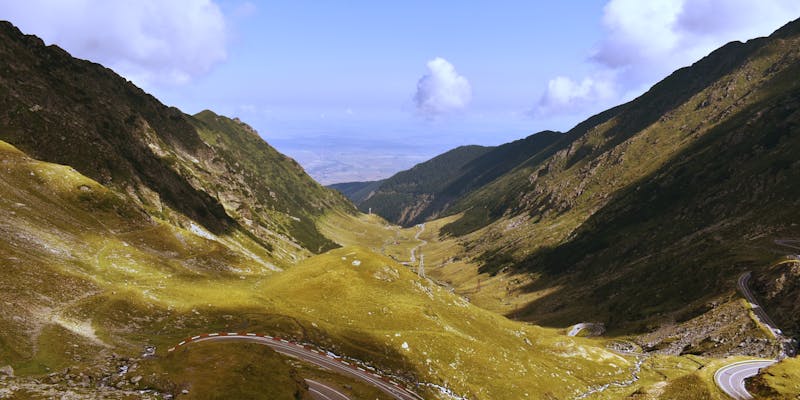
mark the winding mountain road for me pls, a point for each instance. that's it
(314, 356)
(731, 377)
(422, 242)
(744, 279)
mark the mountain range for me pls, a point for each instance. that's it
(694, 175)
(131, 229)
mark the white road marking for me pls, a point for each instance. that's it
(731, 378)
(329, 388)
(319, 393)
(324, 360)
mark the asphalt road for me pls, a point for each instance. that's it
(730, 378)
(316, 357)
(320, 391)
(744, 279)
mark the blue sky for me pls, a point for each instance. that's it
(361, 89)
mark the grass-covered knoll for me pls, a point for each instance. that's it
(661, 376)
(779, 381)
(223, 371)
(384, 312)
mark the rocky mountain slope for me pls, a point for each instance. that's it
(204, 169)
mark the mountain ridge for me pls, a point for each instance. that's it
(175, 166)
(428, 189)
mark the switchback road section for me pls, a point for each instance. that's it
(314, 356)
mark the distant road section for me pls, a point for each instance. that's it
(744, 279)
(730, 378)
(422, 242)
(314, 356)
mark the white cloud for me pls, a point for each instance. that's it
(646, 40)
(442, 89)
(564, 94)
(662, 35)
(148, 41)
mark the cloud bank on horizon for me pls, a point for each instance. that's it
(442, 89)
(147, 41)
(646, 40)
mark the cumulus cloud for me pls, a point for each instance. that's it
(442, 89)
(147, 41)
(646, 40)
(564, 94)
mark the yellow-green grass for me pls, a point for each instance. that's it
(779, 381)
(67, 239)
(355, 389)
(371, 231)
(444, 263)
(448, 262)
(382, 311)
(222, 371)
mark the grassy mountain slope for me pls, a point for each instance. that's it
(207, 170)
(647, 212)
(405, 198)
(428, 189)
(357, 192)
